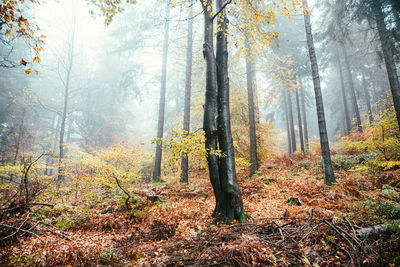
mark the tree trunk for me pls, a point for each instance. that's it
(188, 87)
(287, 124)
(291, 122)
(367, 100)
(352, 91)
(329, 177)
(161, 110)
(232, 206)
(299, 121)
(210, 105)
(20, 135)
(60, 178)
(303, 109)
(250, 100)
(346, 109)
(388, 57)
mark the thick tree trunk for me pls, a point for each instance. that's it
(367, 100)
(346, 109)
(188, 88)
(232, 206)
(329, 177)
(161, 110)
(299, 121)
(291, 122)
(210, 105)
(388, 57)
(287, 124)
(303, 109)
(250, 100)
(356, 111)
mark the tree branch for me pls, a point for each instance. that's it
(221, 9)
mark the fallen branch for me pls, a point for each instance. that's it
(376, 230)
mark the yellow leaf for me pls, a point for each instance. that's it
(36, 59)
(27, 71)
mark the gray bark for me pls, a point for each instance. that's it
(287, 124)
(367, 100)
(232, 207)
(329, 176)
(299, 122)
(291, 122)
(188, 88)
(250, 100)
(303, 111)
(356, 110)
(344, 98)
(161, 110)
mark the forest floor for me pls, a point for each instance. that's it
(317, 230)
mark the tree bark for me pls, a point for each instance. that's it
(388, 57)
(299, 122)
(329, 176)
(232, 207)
(303, 109)
(346, 109)
(291, 122)
(287, 124)
(250, 100)
(161, 110)
(210, 105)
(188, 88)
(367, 100)
(352, 91)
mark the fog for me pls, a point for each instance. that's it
(99, 85)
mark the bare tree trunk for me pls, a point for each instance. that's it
(299, 121)
(367, 100)
(303, 109)
(188, 87)
(70, 63)
(352, 91)
(346, 109)
(287, 124)
(291, 122)
(323, 135)
(161, 111)
(20, 135)
(232, 207)
(250, 100)
(210, 106)
(388, 57)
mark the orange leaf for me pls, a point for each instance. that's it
(36, 72)
(36, 59)
(23, 62)
(27, 71)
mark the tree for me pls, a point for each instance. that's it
(188, 87)
(250, 100)
(329, 177)
(161, 111)
(343, 92)
(299, 122)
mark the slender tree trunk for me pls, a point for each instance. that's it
(188, 87)
(303, 109)
(299, 121)
(329, 177)
(20, 135)
(161, 110)
(291, 122)
(287, 124)
(210, 105)
(60, 178)
(367, 100)
(352, 91)
(346, 109)
(388, 57)
(250, 100)
(232, 207)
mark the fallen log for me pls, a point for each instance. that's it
(376, 230)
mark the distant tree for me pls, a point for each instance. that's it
(161, 110)
(188, 87)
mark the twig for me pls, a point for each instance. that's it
(18, 229)
(221, 9)
(126, 192)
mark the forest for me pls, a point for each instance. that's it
(199, 133)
